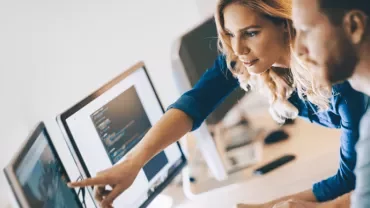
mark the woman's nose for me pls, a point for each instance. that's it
(240, 48)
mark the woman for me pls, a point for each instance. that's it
(256, 38)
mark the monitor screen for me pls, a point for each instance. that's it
(198, 52)
(109, 123)
(38, 177)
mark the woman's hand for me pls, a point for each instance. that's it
(119, 178)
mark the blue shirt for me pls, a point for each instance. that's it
(361, 196)
(346, 109)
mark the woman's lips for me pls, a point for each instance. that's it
(250, 63)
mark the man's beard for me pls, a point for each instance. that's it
(341, 62)
(340, 70)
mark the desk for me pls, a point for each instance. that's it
(317, 151)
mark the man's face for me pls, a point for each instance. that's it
(322, 45)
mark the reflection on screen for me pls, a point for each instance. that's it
(121, 124)
(43, 179)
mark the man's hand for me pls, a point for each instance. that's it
(293, 203)
(251, 206)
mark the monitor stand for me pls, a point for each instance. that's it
(161, 201)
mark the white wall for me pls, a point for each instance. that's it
(54, 53)
(206, 7)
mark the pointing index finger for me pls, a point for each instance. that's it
(97, 181)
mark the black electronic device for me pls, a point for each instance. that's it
(274, 164)
(276, 136)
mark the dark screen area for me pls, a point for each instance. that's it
(121, 124)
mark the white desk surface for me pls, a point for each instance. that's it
(317, 155)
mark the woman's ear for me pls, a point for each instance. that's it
(354, 23)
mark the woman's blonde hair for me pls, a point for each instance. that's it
(276, 83)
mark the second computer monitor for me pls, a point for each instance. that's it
(197, 52)
(37, 176)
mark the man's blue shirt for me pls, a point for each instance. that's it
(346, 109)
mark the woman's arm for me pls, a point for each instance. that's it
(211, 90)
(170, 128)
(186, 114)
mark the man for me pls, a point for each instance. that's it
(333, 37)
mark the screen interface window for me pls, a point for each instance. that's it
(120, 129)
(112, 124)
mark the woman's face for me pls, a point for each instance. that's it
(258, 42)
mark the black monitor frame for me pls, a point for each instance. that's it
(62, 119)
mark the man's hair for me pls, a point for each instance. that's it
(336, 9)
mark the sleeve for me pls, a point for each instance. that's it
(361, 195)
(351, 106)
(212, 88)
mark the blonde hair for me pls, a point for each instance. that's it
(276, 83)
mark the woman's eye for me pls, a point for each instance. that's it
(251, 34)
(229, 34)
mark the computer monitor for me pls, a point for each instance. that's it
(102, 128)
(37, 176)
(192, 54)
(196, 52)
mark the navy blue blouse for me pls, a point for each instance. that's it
(346, 109)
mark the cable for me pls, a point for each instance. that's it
(81, 191)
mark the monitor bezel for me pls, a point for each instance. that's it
(62, 120)
(10, 169)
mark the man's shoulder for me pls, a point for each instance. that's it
(343, 87)
(344, 94)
